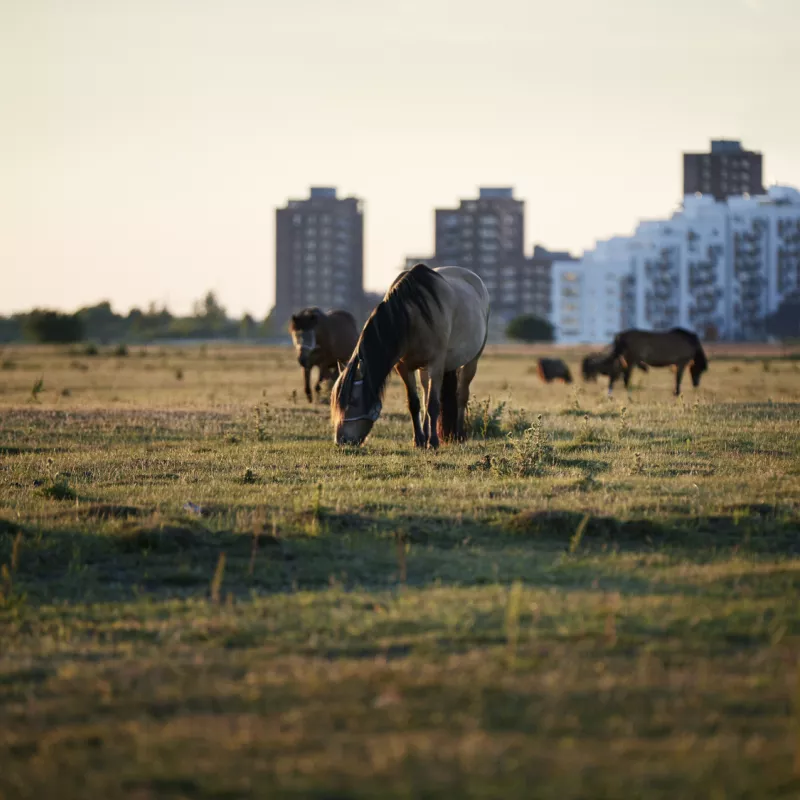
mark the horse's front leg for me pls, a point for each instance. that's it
(436, 374)
(426, 422)
(626, 377)
(307, 383)
(322, 376)
(410, 380)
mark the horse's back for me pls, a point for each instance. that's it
(456, 275)
(470, 315)
(656, 348)
(343, 334)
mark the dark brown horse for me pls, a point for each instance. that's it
(432, 321)
(604, 364)
(323, 341)
(553, 369)
(676, 348)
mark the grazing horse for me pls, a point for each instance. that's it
(675, 347)
(552, 369)
(432, 320)
(322, 340)
(604, 364)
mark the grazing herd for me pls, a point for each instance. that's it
(435, 322)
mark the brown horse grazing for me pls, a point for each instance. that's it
(676, 347)
(322, 340)
(434, 321)
(552, 369)
(604, 364)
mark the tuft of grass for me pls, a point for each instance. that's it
(37, 389)
(91, 349)
(60, 489)
(577, 537)
(484, 421)
(121, 351)
(264, 422)
(586, 435)
(525, 455)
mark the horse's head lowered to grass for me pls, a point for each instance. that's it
(355, 408)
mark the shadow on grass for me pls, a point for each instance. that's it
(124, 554)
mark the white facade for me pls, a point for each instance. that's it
(587, 295)
(718, 268)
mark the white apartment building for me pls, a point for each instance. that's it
(587, 295)
(718, 268)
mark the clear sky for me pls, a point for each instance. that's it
(144, 144)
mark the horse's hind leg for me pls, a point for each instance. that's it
(434, 403)
(410, 380)
(679, 377)
(307, 383)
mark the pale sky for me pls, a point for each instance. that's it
(144, 144)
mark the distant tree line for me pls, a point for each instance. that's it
(101, 324)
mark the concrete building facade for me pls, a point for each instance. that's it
(319, 254)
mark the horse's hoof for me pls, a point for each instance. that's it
(433, 444)
(419, 442)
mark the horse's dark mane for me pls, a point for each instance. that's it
(386, 331)
(306, 319)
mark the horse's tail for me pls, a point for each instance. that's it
(448, 409)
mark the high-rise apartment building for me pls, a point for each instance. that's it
(487, 234)
(319, 254)
(727, 171)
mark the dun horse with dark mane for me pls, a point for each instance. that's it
(322, 340)
(434, 321)
(676, 347)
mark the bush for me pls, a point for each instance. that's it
(53, 327)
(529, 328)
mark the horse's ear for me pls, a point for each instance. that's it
(340, 365)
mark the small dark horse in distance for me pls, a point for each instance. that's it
(604, 363)
(676, 347)
(553, 369)
(434, 321)
(323, 341)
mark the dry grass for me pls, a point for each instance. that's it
(202, 598)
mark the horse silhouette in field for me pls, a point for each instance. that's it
(323, 341)
(434, 321)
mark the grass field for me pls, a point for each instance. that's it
(202, 598)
